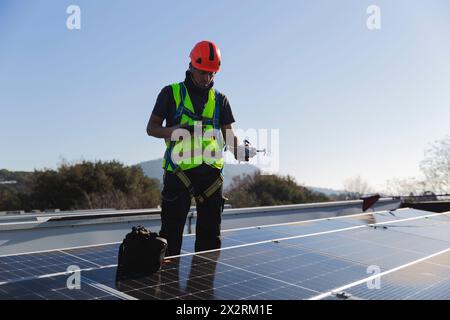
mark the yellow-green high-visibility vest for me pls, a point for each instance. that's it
(206, 148)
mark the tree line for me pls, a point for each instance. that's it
(85, 185)
(96, 185)
(269, 190)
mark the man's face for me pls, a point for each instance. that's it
(202, 78)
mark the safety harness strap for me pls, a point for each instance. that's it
(201, 197)
(210, 190)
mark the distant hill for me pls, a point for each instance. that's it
(153, 169)
(327, 191)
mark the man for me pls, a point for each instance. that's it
(197, 118)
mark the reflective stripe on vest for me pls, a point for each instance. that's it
(190, 153)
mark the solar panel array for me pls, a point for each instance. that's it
(330, 258)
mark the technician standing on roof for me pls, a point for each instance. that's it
(193, 163)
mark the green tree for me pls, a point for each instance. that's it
(269, 190)
(85, 185)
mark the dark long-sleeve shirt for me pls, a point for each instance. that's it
(165, 106)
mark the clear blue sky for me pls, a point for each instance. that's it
(346, 100)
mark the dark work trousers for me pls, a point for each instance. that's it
(176, 201)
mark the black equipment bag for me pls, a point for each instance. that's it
(141, 253)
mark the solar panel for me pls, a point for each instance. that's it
(53, 288)
(304, 260)
(240, 273)
(435, 227)
(268, 232)
(26, 266)
(428, 279)
(383, 248)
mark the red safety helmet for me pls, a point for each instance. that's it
(206, 56)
